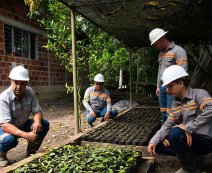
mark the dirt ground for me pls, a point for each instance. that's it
(58, 109)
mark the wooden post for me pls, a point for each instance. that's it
(130, 54)
(76, 112)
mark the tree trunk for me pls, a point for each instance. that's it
(120, 78)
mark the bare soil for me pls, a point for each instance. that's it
(58, 109)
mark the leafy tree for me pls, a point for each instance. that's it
(97, 52)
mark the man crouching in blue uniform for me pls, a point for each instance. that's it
(16, 104)
(97, 101)
(188, 130)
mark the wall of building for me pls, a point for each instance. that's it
(46, 72)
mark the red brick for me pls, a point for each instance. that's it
(38, 69)
(4, 77)
(12, 59)
(6, 83)
(5, 71)
(35, 67)
(3, 64)
(1, 39)
(18, 60)
(1, 46)
(1, 52)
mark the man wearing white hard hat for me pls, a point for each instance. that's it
(97, 101)
(187, 132)
(16, 104)
(170, 54)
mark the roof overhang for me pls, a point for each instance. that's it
(130, 21)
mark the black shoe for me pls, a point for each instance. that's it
(90, 125)
(3, 160)
(103, 119)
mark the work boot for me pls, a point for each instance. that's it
(188, 163)
(103, 119)
(90, 125)
(3, 159)
(201, 159)
(32, 147)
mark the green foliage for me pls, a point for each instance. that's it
(98, 52)
(81, 159)
(106, 54)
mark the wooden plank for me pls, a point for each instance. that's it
(146, 166)
(20, 163)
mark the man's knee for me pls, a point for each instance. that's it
(91, 119)
(45, 125)
(179, 140)
(174, 133)
(9, 142)
(114, 113)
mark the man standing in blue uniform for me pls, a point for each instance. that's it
(170, 54)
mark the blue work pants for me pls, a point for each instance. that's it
(8, 141)
(178, 142)
(100, 113)
(165, 102)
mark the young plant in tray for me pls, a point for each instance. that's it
(83, 159)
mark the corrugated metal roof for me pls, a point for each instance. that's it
(130, 21)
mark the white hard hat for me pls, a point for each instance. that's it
(156, 34)
(19, 73)
(99, 78)
(172, 73)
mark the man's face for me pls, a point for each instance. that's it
(18, 87)
(99, 85)
(159, 45)
(175, 89)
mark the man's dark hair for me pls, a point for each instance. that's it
(184, 79)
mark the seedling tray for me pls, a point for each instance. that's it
(84, 159)
(135, 127)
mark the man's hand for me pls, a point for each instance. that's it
(92, 113)
(31, 136)
(157, 91)
(181, 126)
(151, 148)
(36, 127)
(107, 116)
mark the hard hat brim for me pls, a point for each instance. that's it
(174, 79)
(159, 37)
(19, 79)
(99, 81)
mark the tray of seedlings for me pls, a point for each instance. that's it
(135, 127)
(84, 159)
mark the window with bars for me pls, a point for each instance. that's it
(19, 42)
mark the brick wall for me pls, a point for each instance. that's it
(46, 73)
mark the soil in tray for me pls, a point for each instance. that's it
(135, 127)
